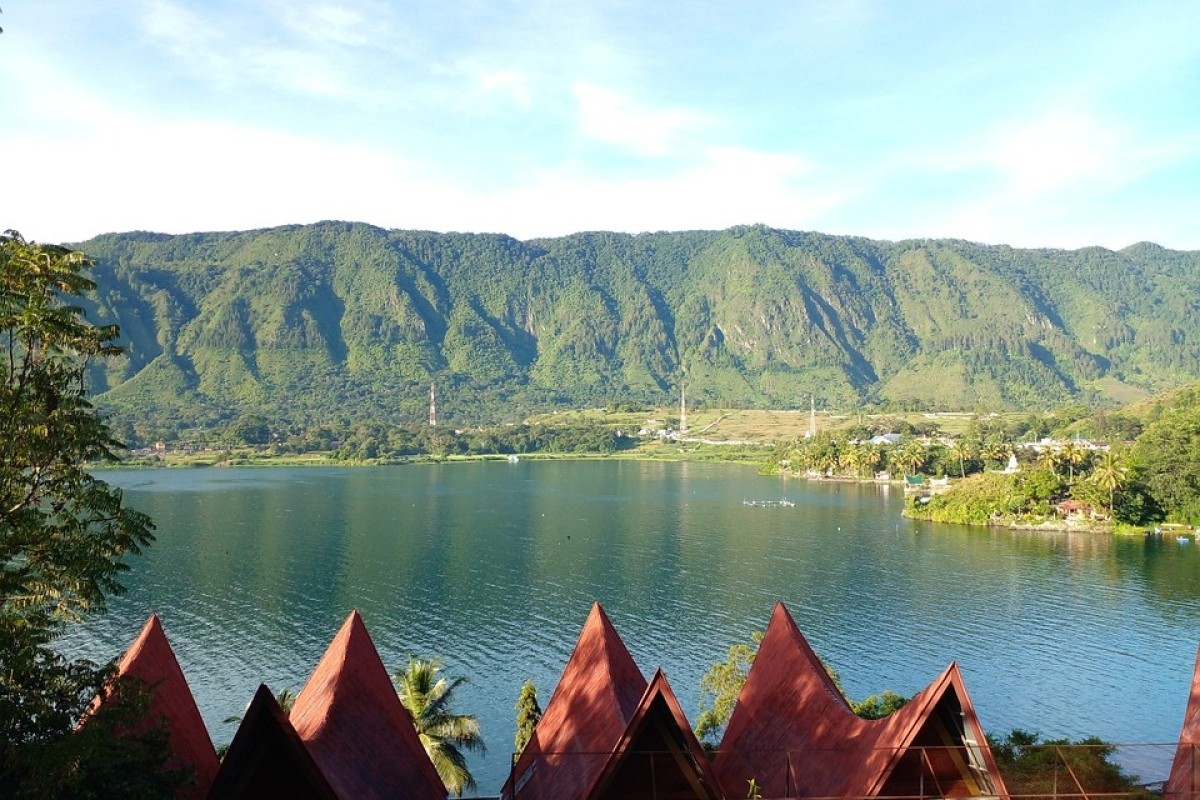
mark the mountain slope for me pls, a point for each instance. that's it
(337, 322)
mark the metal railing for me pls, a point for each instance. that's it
(1042, 771)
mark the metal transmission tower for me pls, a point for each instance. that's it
(682, 410)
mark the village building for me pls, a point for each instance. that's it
(607, 733)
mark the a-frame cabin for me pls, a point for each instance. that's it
(352, 722)
(267, 759)
(658, 756)
(150, 661)
(597, 695)
(793, 732)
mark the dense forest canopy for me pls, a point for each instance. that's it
(335, 323)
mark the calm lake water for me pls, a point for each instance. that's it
(492, 567)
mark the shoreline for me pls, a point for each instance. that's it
(1047, 525)
(246, 457)
(705, 453)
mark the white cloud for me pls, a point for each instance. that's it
(1056, 151)
(252, 50)
(728, 186)
(333, 23)
(612, 117)
(138, 173)
(187, 36)
(509, 83)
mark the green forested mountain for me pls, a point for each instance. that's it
(336, 322)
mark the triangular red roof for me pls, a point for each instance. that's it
(658, 755)
(352, 721)
(795, 734)
(596, 696)
(151, 661)
(267, 759)
(1184, 780)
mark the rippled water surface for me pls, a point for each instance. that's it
(493, 567)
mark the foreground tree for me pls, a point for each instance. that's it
(428, 696)
(720, 687)
(63, 533)
(529, 711)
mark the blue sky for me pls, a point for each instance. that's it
(1036, 124)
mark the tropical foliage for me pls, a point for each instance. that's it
(1167, 458)
(528, 714)
(428, 697)
(1037, 768)
(64, 537)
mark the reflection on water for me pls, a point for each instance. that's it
(493, 566)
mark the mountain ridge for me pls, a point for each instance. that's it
(337, 321)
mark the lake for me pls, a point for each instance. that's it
(493, 566)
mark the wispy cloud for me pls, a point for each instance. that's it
(362, 24)
(511, 83)
(609, 116)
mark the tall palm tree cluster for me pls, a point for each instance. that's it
(830, 455)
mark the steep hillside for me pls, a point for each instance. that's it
(337, 322)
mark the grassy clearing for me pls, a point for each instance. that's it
(754, 425)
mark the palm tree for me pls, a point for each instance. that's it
(852, 459)
(962, 450)
(911, 457)
(1049, 459)
(1073, 455)
(997, 451)
(427, 697)
(1110, 474)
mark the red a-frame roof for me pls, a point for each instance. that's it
(658, 756)
(267, 759)
(151, 661)
(351, 720)
(795, 734)
(597, 695)
(1184, 781)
